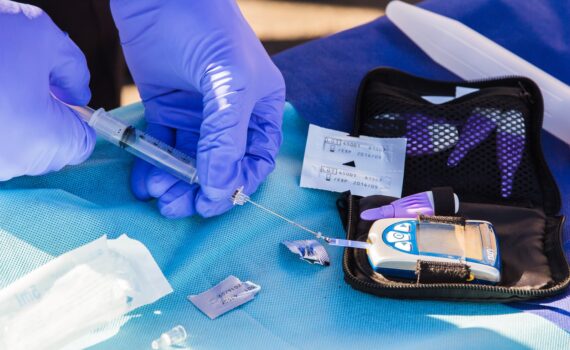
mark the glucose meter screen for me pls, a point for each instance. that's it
(450, 240)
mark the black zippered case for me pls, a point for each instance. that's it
(486, 146)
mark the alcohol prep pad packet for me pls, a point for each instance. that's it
(363, 165)
(225, 296)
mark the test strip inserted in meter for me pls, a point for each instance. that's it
(398, 244)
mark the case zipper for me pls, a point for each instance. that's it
(519, 92)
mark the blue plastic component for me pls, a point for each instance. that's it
(405, 234)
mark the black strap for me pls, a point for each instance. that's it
(451, 220)
(443, 201)
(442, 272)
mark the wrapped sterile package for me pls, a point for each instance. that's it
(78, 293)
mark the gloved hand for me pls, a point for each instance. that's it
(39, 134)
(210, 90)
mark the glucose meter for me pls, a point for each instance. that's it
(398, 244)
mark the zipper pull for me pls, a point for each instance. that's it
(525, 94)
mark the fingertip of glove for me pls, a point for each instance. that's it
(140, 192)
(216, 194)
(69, 76)
(80, 98)
(158, 182)
(178, 202)
(138, 180)
(207, 208)
(171, 213)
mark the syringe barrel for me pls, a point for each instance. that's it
(144, 146)
(109, 128)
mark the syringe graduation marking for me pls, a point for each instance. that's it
(125, 137)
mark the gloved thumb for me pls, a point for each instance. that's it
(69, 82)
(69, 75)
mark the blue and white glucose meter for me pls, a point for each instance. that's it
(397, 245)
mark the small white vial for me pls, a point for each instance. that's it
(175, 336)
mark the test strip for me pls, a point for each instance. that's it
(348, 243)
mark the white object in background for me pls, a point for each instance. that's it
(335, 161)
(78, 293)
(471, 56)
(225, 296)
(175, 336)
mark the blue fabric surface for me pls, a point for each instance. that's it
(299, 306)
(323, 76)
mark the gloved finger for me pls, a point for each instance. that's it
(476, 130)
(69, 82)
(207, 207)
(74, 140)
(178, 201)
(263, 142)
(182, 111)
(142, 169)
(52, 148)
(69, 76)
(138, 177)
(48, 135)
(223, 134)
(159, 181)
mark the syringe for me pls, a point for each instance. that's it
(140, 144)
(171, 160)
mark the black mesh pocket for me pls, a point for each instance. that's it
(476, 144)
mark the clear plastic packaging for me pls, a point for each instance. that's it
(77, 293)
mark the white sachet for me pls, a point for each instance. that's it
(225, 296)
(365, 166)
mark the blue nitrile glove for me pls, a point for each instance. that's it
(210, 89)
(39, 134)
